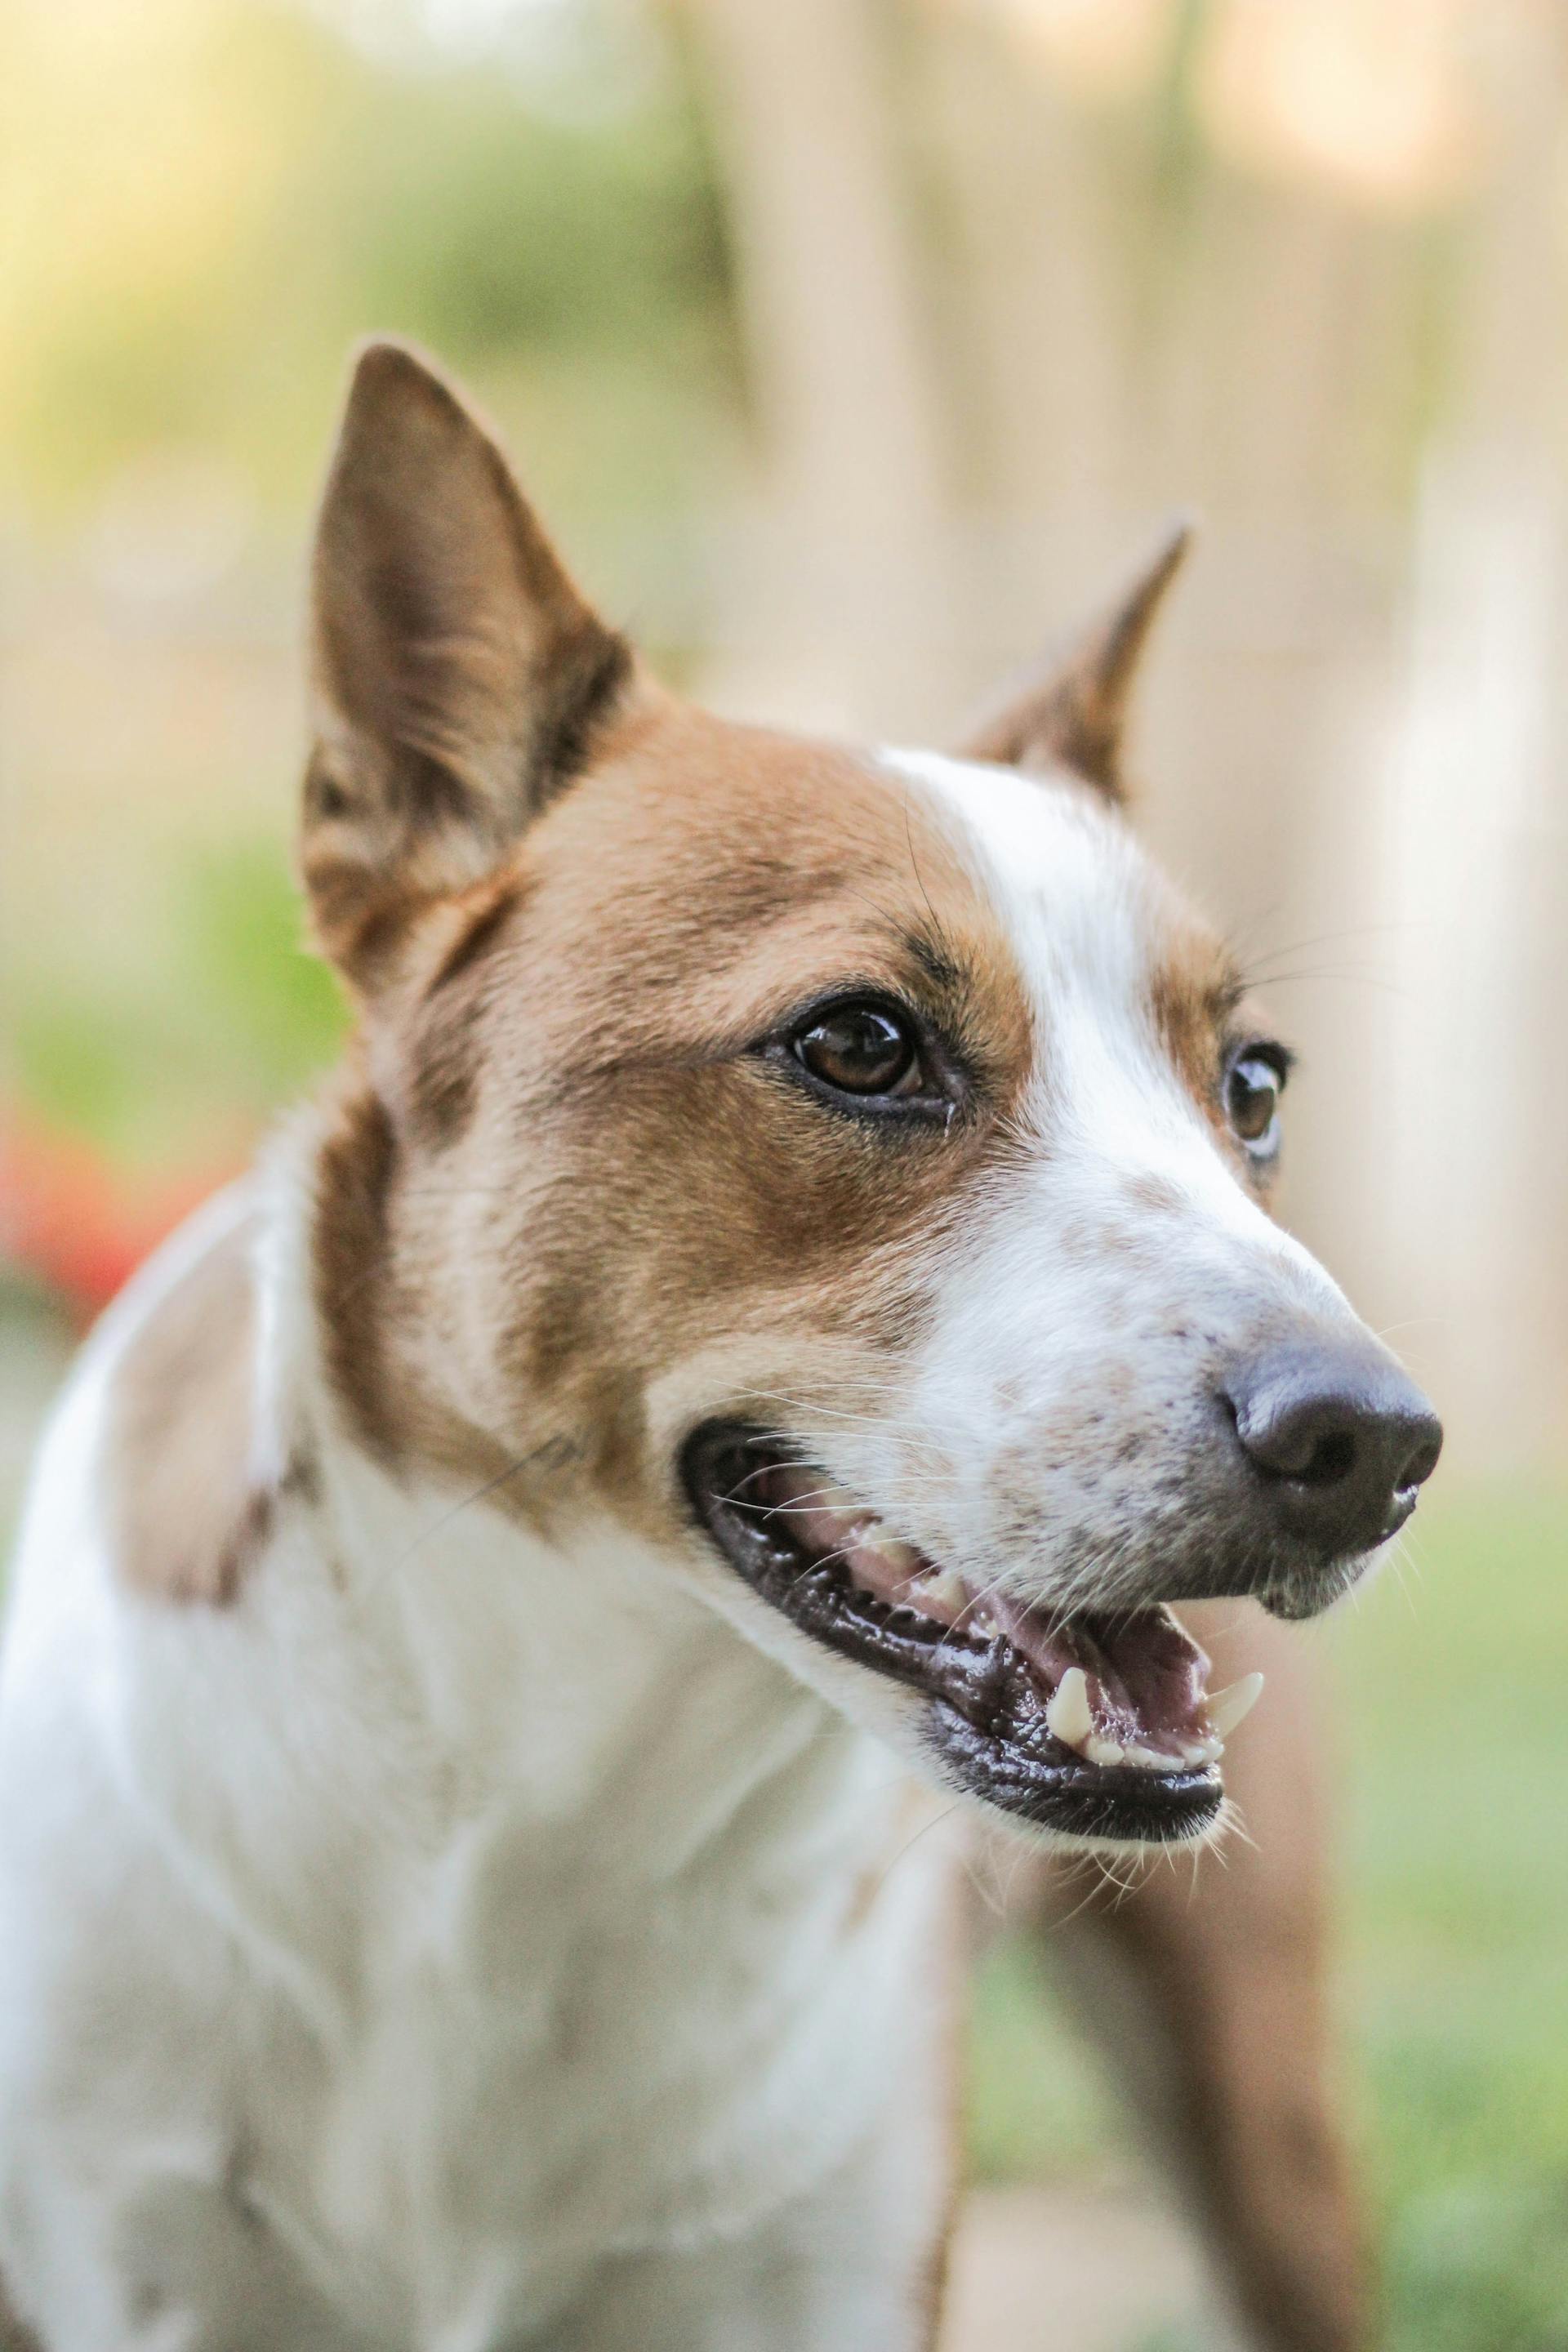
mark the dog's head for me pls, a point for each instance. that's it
(846, 1168)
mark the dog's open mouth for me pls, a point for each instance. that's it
(1094, 1727)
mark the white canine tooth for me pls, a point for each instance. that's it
(1101, 1750)
(1151, 1759)
(946, 1588)
(1226, 1708)
(902, 1557)
(1068, 1717)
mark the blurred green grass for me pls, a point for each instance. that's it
(1452, 1675)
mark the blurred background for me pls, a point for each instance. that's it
(853, 346)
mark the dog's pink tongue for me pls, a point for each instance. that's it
(1128, 1689)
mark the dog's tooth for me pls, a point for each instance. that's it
(946, 1588)
(1101, 1750)
(1154, 1760)
(1226, 1708)
(1069, 1717)
(902, 1557)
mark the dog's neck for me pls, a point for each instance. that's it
(573, 1685)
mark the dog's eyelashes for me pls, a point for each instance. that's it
(860, 1049)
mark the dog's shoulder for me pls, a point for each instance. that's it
(184, 1506)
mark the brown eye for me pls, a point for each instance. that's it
(859, 1049)
(1253, 1086)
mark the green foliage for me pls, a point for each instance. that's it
(271, 995)
(547, 232)
(259, 192)
(1035, 2104)
(225, 1016)
(1481, 2266)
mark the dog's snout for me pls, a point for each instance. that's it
(1341, 1437)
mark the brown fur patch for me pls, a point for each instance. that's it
(681, 1183)
(1195, 995)
(188, 1517)
(354, 1176)
(377, 1303)
(478, 933)
(460, 680)
(636, 1177)
(444, 1085)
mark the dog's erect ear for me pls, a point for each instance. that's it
(457, 674)
(1073, 715)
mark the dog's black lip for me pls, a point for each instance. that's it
(987, 1725)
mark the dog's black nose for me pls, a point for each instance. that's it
(1341, 1437)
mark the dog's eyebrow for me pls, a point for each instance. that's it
(1228, 994)
(928, 948)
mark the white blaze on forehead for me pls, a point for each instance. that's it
(1071, 884)
(1079, 905)
(1088, 917)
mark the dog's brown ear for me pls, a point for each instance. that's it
(457, 674)
(1075, 714)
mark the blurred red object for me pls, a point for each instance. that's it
(77, 1224)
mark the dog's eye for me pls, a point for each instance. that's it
(860, 1049)
(1253, 1085)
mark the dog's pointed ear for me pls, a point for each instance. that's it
(458, 676)
(1075, 714)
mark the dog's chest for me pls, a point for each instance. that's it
(644, 2026)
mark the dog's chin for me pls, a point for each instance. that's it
(1313, 1592)
(1092, 1727)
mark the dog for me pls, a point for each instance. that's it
(777, 1302)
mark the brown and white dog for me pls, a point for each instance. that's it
(777, 1303)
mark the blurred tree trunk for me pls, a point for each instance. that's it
(1347, 738)
(1477, 1131)
(850, 600)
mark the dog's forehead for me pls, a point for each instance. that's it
(1082, 907)
(702, 837)
(723, 870)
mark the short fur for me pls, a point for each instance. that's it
(446, 1907)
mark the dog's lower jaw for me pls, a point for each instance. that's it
(1308, 1596)
(1096, 1730)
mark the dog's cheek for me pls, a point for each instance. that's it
(695, 1205)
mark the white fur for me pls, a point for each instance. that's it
(1064, 1287)
(478, 1950)
(480, 1970)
